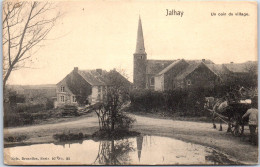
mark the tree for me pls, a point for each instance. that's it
(109, 111)
(25, 25)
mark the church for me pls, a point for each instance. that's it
(161, 75)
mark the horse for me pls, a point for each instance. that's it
(220, 109)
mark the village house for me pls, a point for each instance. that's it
(82, 87)
(185, 74)
(161, 75)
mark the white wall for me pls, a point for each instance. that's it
(94, 95)
(159, 83)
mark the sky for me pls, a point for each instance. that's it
(102, 34)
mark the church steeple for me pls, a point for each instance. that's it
(140, 59)
(140, 39)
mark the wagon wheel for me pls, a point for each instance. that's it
(237, 128)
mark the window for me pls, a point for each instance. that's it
(188, 82)
(141, 57)
(74, 99)
(152, 81)
(62, 99)
(62, 89)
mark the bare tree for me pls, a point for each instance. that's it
(109, 111)
(25, 25)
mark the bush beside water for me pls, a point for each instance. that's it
(70, 136)
(15, 138)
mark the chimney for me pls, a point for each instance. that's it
(203, 60)
(76, 69)
(99, 70)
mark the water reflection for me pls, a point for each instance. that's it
(139, 143)
(114, 152)
(140, 150)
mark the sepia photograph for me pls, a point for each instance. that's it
(113, 82)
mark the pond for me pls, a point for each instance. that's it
(139, 150)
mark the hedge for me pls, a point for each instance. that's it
(190, 101)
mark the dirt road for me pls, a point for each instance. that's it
(195, 132)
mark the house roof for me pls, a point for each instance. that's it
(192, 66)
(93, 77)
(205, 61)
(170, 66)
(188, 70)
(217, 69)
(242, 67)
(155, 66)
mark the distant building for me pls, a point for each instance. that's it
(163, 75)
(89, 86)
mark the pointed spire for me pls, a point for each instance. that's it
(139, 142)
(140, 39)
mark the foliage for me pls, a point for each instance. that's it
(70, 136)
(149, 99)
(18, 138)
(114, 152)
(28, 114)
(190, 101)
(117, 93)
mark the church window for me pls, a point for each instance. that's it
(152, 81)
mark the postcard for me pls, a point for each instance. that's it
(110, 82)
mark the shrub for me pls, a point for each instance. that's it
(123, 121)
(190, 102)
(26, 107)
(147, 99)
(70, 136)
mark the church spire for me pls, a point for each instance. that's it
(140, 39)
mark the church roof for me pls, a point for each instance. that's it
(156, 66)
(140, 49)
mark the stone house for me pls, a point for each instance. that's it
(185, 74)
(82, 87)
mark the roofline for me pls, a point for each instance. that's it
(201, 63)
(173, 64)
